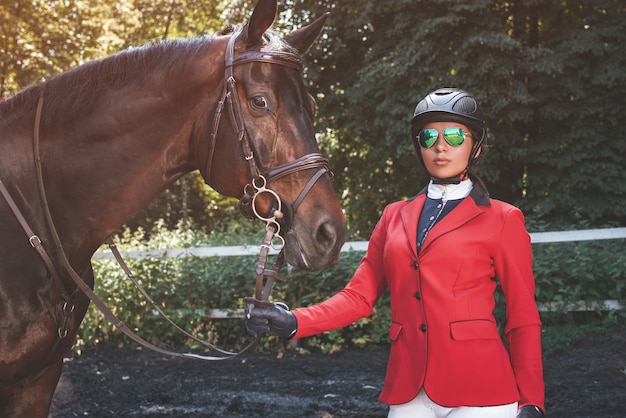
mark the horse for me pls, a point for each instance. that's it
(88, 148)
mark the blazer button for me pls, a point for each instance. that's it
(415, 265)
(418, 296)
(423, 327)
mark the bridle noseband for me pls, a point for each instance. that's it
(259, 181)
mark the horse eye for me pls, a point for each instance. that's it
(259, 102)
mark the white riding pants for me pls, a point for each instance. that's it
(423, 407)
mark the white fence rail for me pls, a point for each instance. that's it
(242, 250)
(535, 238)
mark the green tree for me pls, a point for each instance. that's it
(573, 153)
(40, 38)
(546, 73)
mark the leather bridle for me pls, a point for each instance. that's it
(259, 181)
(257, 187)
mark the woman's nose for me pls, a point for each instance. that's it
(441, 143)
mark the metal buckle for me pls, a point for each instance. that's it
(34, 241)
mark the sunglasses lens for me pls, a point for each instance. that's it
(428, 137)
(454, 136)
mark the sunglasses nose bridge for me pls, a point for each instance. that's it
(440, 142)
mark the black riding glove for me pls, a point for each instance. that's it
(277, 320)
(530, 411)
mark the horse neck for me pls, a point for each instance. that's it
(126, 150)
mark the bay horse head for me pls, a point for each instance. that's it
(104, 139)
(268, 155)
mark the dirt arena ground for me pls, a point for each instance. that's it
(586, 380)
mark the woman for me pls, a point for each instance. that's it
(440, 254)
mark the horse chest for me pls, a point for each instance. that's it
(29, 312)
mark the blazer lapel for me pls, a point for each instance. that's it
(463, 213)
(410, 216)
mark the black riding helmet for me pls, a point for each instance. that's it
(451, 105)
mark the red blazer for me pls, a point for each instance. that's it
(443, 334)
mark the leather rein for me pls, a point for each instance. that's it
(265, 277)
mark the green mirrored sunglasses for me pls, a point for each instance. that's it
(453, 136)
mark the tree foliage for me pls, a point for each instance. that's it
(549, 76)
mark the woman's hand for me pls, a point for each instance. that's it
(277, 320)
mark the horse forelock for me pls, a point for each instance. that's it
(272, 40)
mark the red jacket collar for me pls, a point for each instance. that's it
(467, 209)
(478, 194)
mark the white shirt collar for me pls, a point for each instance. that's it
(447, 192)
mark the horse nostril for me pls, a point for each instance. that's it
(326, 236)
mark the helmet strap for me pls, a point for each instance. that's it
(451, 180)
(475, 150)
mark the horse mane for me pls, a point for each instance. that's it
(74, 92)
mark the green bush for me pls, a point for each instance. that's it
(580, 271)
(187, 287)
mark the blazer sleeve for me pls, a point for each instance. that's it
(513, 264)
(357, 299)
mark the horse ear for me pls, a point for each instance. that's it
(303, 38)
(262, 18)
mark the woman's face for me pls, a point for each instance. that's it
(443, 160)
